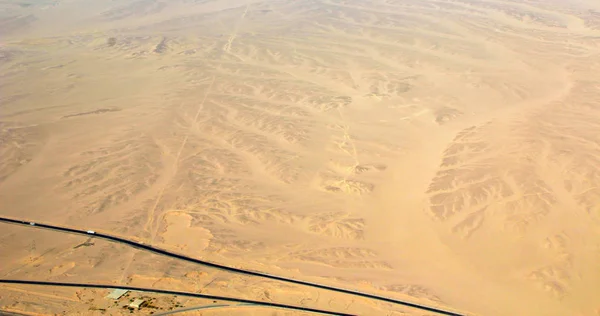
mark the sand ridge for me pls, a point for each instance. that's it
(441, 151)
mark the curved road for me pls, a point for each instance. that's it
(195, 308)
(169, 292)
(224, 267)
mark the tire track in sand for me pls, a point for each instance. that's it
(171, 171)
(233, 35)
(148, 227)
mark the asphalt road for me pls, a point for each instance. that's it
(179, 293)
(170, 254)
(195, 308)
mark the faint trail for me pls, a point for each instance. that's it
(227, 46)
(40, 294)
(348, 140)
(171, 171)
(150, 221)
(354, 154)
(414, 115)
(127, 266)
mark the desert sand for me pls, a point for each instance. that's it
(443, 152)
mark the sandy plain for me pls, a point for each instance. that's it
(441, 152)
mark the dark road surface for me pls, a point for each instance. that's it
(167, 253)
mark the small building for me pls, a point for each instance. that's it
(137, 303)
(116, 294)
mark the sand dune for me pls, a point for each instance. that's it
(443, 152)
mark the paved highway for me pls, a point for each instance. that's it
(195, 308)
(179, 293)
(167, 253)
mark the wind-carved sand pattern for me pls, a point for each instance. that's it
(19, 145)
(110, 176)
(526, 173)
(470, 182)
(428, 150)
(338, 225)
(343, 258)
(556, 276)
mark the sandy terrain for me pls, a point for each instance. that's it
(441, 152)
